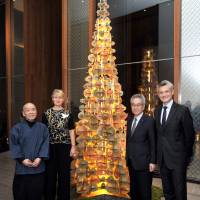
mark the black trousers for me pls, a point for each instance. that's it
(57, 179)
(28, 187)
(174, 182)
(140, 184)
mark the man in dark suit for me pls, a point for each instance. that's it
(175, 139)
(140, 149)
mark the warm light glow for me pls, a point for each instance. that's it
(103, 192)
(100, 167)
(149, 82)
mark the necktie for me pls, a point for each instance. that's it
(164, 115)
(133, 126)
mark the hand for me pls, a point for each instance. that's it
(36, 162)
(27, 163)
(73, 151)
(152, 167)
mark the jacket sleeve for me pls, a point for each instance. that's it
(152, 141)
(15, 147)
(126, 156)
(44, 150)
(189, 133)
(44, 119)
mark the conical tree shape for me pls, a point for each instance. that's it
(149, 82)
(100, 168)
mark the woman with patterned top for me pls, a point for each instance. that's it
(62, 145)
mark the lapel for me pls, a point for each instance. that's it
(139, 125)
(169, 118)
(130, 120)
(159, 115)
(171, 113)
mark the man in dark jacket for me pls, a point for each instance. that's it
(140, 149)
(175, 139)
(29, 146)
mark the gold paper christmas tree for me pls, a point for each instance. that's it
(149, 82)
(100, 168)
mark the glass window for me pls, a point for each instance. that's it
(131, 77)
(139, 26)
(190, 70)
(136, 26)
(18, 60)
(78, 49)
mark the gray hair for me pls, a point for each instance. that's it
(166, 83)
(138, 96)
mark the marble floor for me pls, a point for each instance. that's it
(7, 171)
(6, 176)
(193, 172)
(193, 189)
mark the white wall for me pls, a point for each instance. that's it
(190, 52)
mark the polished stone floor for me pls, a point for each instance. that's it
(194, 168)
(6, 176)
(7, 171)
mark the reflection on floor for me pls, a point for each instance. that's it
(7, 171)
(193, 189)
(6, 176)
(194, 168)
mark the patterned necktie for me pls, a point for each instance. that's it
(133, 126)
(164, 115)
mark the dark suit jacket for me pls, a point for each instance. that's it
(140, 147)
(175, 140)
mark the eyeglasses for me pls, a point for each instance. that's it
(137, 105)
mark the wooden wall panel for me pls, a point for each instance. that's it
(177, 46)
(42, 53)
(9, 61)
(91, 19)
(65, 72)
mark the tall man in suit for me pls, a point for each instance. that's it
(140, 149)
(175, 139)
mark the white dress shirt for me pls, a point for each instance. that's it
(168, 105)
(138, 119)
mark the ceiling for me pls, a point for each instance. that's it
(79, 8)
(124, 7)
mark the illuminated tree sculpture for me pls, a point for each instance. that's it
(100, 167)
(149, 82)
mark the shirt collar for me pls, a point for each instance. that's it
(138, 117)
(30, 123)
(169, 104)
